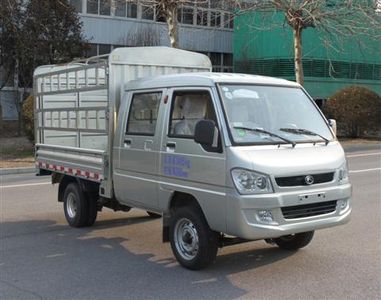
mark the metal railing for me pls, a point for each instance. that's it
(67, 100)
(72, 79)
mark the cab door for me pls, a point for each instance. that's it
(187, 166)
(136, 175)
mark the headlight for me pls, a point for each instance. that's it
(343, 173)
(248, 182)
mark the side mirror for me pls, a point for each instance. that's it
(333, 125)
(204, 132)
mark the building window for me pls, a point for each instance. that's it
(215, 19)
(148, 12)
(120, 8)
(228, 59)
(185, 15)
(221, 62)
(105, 7)
(77, 4)
(104, 49)
(132, 10)
(125, 9)
(92, 7)
(202, 17)
(92, 51)
(160, 16)
(228, 20)
(99, 49)
(215, 58)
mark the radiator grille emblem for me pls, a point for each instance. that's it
(309, 179)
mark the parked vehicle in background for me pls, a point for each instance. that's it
(224, 158)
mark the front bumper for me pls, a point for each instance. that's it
(243, 220)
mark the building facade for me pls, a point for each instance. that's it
(116, 23)
(108, 24)
(329, 62)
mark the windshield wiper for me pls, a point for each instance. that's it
(304, 131)
(266, 132)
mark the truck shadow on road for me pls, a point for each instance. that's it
(123, 221)
(43, 258)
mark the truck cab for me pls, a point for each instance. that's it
(252, 157)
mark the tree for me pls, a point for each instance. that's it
(356, 109)
(10, 26)
(141, 37)
(52, 34)
(338, 19)
(33, 33)
(36, 32)
(169, 10)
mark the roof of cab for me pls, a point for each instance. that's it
(204, 79)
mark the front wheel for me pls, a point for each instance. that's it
(193, 243)
(294, 241)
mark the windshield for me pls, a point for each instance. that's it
(285, 112)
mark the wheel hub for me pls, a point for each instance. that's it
(71, 205)
(186, 239)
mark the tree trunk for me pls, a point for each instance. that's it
(171, 13)
(1, 118)
(17, 96)
(299, 76)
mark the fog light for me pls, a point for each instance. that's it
(265, 216)
(342, 204)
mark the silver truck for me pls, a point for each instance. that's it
(223, 158)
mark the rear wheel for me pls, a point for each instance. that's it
(79, 210)
(193, 243)
(75, 206)
(294, 241)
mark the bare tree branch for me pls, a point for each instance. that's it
(357, 19)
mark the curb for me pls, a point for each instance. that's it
(17, 171)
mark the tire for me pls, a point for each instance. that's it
(193, 243)
(153, 215)
(79, 210)
(295, 241)
(92, 209)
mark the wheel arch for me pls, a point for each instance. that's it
(181, 199)
(64, 180)
(178, 199)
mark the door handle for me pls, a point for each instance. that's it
(127, 143)
(171, 146)
(148, 145)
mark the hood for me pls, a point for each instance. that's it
(285, 160)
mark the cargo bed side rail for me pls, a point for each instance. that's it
(84, 163)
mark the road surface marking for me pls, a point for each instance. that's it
(55, 255)
(364, 170)
(23, 185)
(364, 154)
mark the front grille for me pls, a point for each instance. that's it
(300, 180)
(308, 210)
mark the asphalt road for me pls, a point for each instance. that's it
(122, 257)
